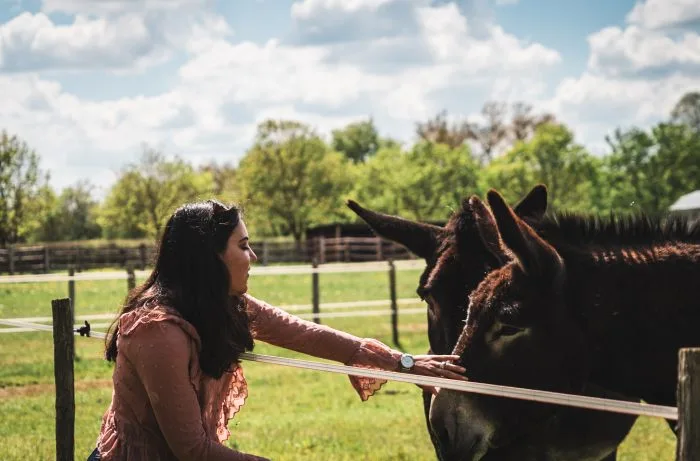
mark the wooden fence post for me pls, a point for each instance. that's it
(314, 291)
(11, 258)
(688, 398)
(265, 253)
(130, 278)
(322, 249)
(394, 306)
(63, 352)
(71, 292)
(47, 261)
(142, 256)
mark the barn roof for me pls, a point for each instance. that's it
(689, 201)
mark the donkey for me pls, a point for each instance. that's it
(452, 275)
(610, 311)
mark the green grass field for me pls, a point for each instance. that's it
(290, 414)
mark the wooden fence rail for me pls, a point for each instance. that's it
(43, 259)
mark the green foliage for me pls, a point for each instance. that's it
(687, 111)
(290, 180)
(19, 185)
(147, 193)
(357, 141)
(550, 157)
(648, 171)
(425, 183)
(70, 216)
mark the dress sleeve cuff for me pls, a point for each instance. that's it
(376, 355)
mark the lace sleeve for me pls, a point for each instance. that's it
(280, 328)
(375, 355)
(275, 326)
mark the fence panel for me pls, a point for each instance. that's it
(32, 259)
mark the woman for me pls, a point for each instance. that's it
(177, 379)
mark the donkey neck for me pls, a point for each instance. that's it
(637, 305)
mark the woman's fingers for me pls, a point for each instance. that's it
(438, 358)
(448, 370)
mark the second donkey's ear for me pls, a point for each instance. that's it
(535, 256)
(488, 230)
(534, 204)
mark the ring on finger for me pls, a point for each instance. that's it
(442, 365)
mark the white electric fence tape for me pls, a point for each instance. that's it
(592, 403)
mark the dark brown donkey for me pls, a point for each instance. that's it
(610, 311)
(452, 273)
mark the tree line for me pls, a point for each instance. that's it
(292, 178)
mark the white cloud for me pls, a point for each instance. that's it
(117, 35)
(399, 61)
(33, 41)
(664, 13)
(312, 8)
(118, 7)
(634, 75)
(447, 33)
(227, 86)
(617, 52)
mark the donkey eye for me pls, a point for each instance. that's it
(509, 330)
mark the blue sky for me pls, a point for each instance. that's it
(87, 83)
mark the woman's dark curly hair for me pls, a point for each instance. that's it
(190, 277)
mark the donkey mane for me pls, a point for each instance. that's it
(577, 229)
(624, 228)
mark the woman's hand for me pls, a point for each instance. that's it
(441, 366)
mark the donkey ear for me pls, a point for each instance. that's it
(488, 231)
(420, 238)
(534, 204)
(534, 255)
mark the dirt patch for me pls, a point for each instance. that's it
(31, 390)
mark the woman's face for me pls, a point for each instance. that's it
(238, 256)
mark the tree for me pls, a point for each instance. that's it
(291, 179)
(19, 183)
(493, 132)
(147, 192)
(424, 183)
(437, 130)
(78, 212)
(70, 216)
(224, 180)
(648, 171)
(550, 157)
(626, 169)
(523, 124)
(687, 111)
(357, 141)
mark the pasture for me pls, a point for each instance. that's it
(290, 414)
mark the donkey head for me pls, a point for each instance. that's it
(519, 333)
